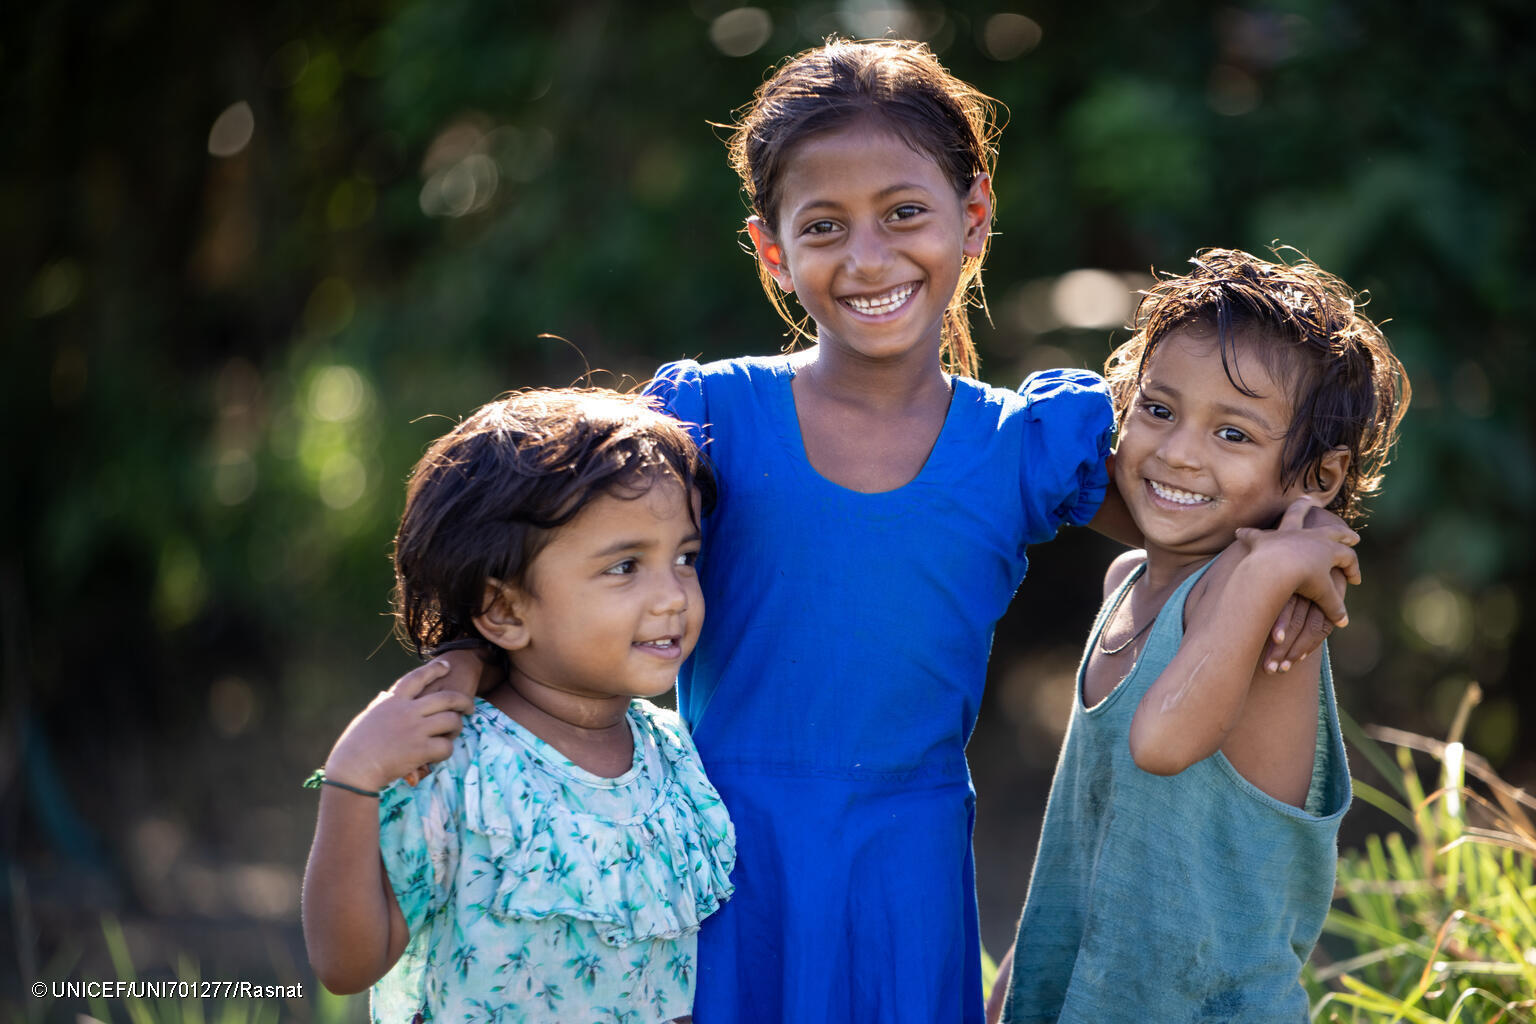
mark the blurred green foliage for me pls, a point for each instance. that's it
(230, 330)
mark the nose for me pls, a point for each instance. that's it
(1180, 448)
(868, 251)
(671, 595)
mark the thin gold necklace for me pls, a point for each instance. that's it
(1120, 599)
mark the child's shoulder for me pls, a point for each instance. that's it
(665, 726)
(1121, 568)
(1210, 586)
(490, 743)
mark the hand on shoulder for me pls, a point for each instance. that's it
(1299, 558)
(401, 728)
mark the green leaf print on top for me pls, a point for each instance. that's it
(537, 891)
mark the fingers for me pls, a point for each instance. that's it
(1320, 516)
(1277, 652)
(465, 670)
(1349, 568)
(1290, 618)
(416, 680)
(444, 723)
(1308, 638)
(1296, 513)
(445, 700)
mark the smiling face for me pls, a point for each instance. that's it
(870, 238)
(1197, 457)
(612, 605)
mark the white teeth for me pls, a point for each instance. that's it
(1180, 497)
(658, 643)
(881, 304)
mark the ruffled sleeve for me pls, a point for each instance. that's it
(419, 841)
(680, 386)
(655, 874)
(1066, 441)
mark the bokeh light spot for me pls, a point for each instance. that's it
(180, 585)
(1091, 299)
(350, 205)
(1008, 36)
(873, 19)
(232, 130)
(741, 31)
(1231, 91)
(231, 706)
(55, 288)
(343, 480)
(330, 307)
(1440, 615)
(319, 80)
(234, 477)
(336, 394)
(462, 189)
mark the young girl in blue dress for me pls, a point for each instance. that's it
(1187, 857)
(875, 506)
(556, 862)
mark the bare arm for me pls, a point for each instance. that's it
(999, 994)
(1113, 519)
(1299, 627)
(353, 927)
(1197, 701)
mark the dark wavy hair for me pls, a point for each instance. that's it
(488, 495)
(1348, 390)
(899, 84)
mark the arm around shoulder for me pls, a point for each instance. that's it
(353, 927)
(1187, 714)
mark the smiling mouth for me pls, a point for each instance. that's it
(1177, 496)
(879, 305)
(662, 645)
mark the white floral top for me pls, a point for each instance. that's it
(536, 891)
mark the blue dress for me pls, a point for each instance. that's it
(839, 676)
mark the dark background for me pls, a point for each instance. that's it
(230, 330)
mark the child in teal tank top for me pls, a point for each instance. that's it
(1187, 857)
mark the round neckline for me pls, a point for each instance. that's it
(793, 436)
(557, 761)
(1178, 596)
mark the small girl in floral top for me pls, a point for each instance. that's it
(555, 862)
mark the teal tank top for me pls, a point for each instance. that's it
(1190, 898)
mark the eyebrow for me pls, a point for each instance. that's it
(1240, 412)
(889, 190)
(618, 547)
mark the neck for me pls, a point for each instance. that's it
(542, 709)
(877, 385)
(1166, 570)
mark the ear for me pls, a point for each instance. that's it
(1325, 483)
(503, 622)
(978, 215)
(770, 253)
